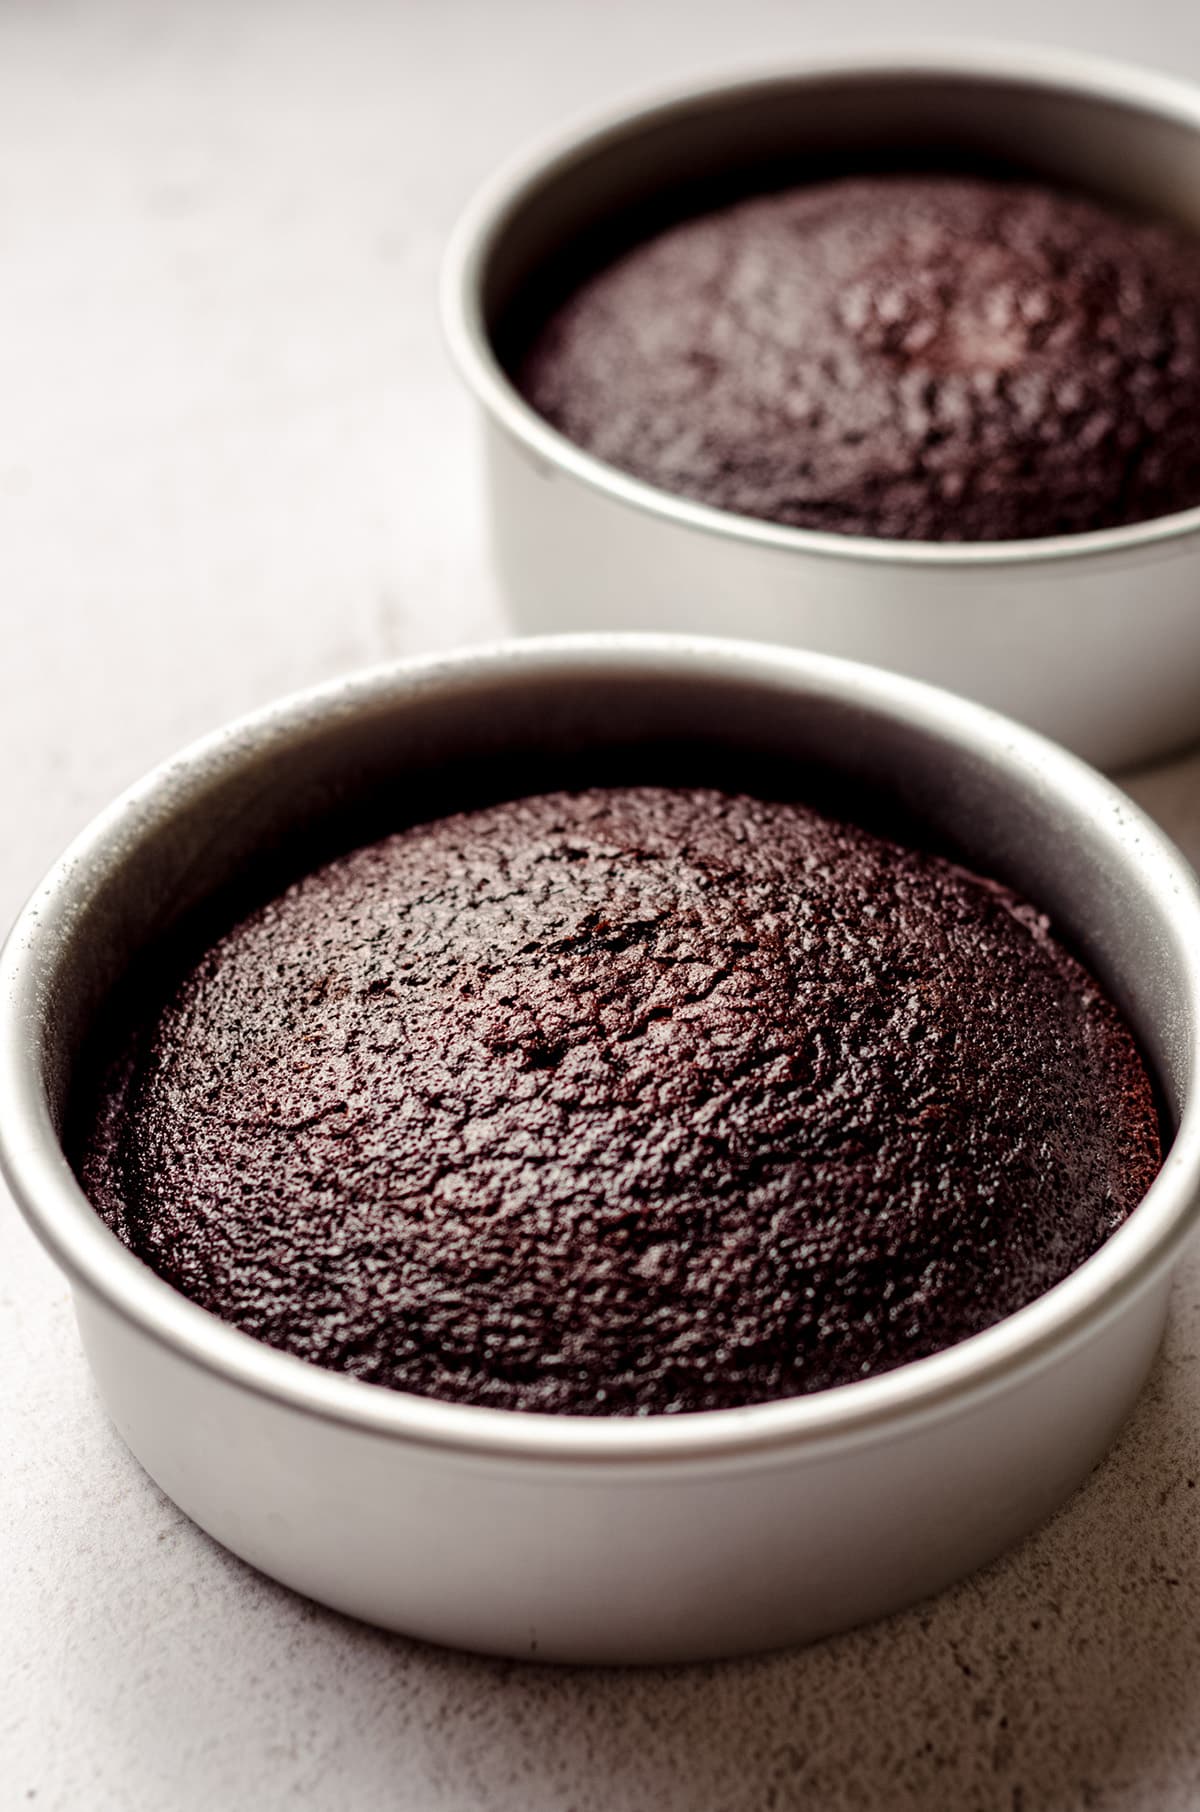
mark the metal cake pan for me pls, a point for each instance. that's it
(1093, 639)
(577, 1538)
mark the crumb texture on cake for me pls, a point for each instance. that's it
(623, 1100)
(925, 358)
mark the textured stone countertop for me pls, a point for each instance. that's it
(233, 460)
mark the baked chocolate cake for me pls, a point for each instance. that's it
(929, 358)
(623, 1100)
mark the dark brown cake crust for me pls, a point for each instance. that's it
(625, 1100)
(926, 358)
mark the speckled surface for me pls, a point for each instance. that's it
(233, 460)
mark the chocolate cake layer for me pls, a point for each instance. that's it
(626, 1100)
(927, 358)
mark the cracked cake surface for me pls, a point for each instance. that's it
(622, 1100)
(934, 358)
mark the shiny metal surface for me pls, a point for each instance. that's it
(1093, 639)
(569, 1537)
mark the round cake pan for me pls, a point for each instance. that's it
(1091, 638)
(585, 1538)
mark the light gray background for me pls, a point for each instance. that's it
(233, 460)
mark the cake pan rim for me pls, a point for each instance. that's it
(1074, 1310)
(483, 221)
